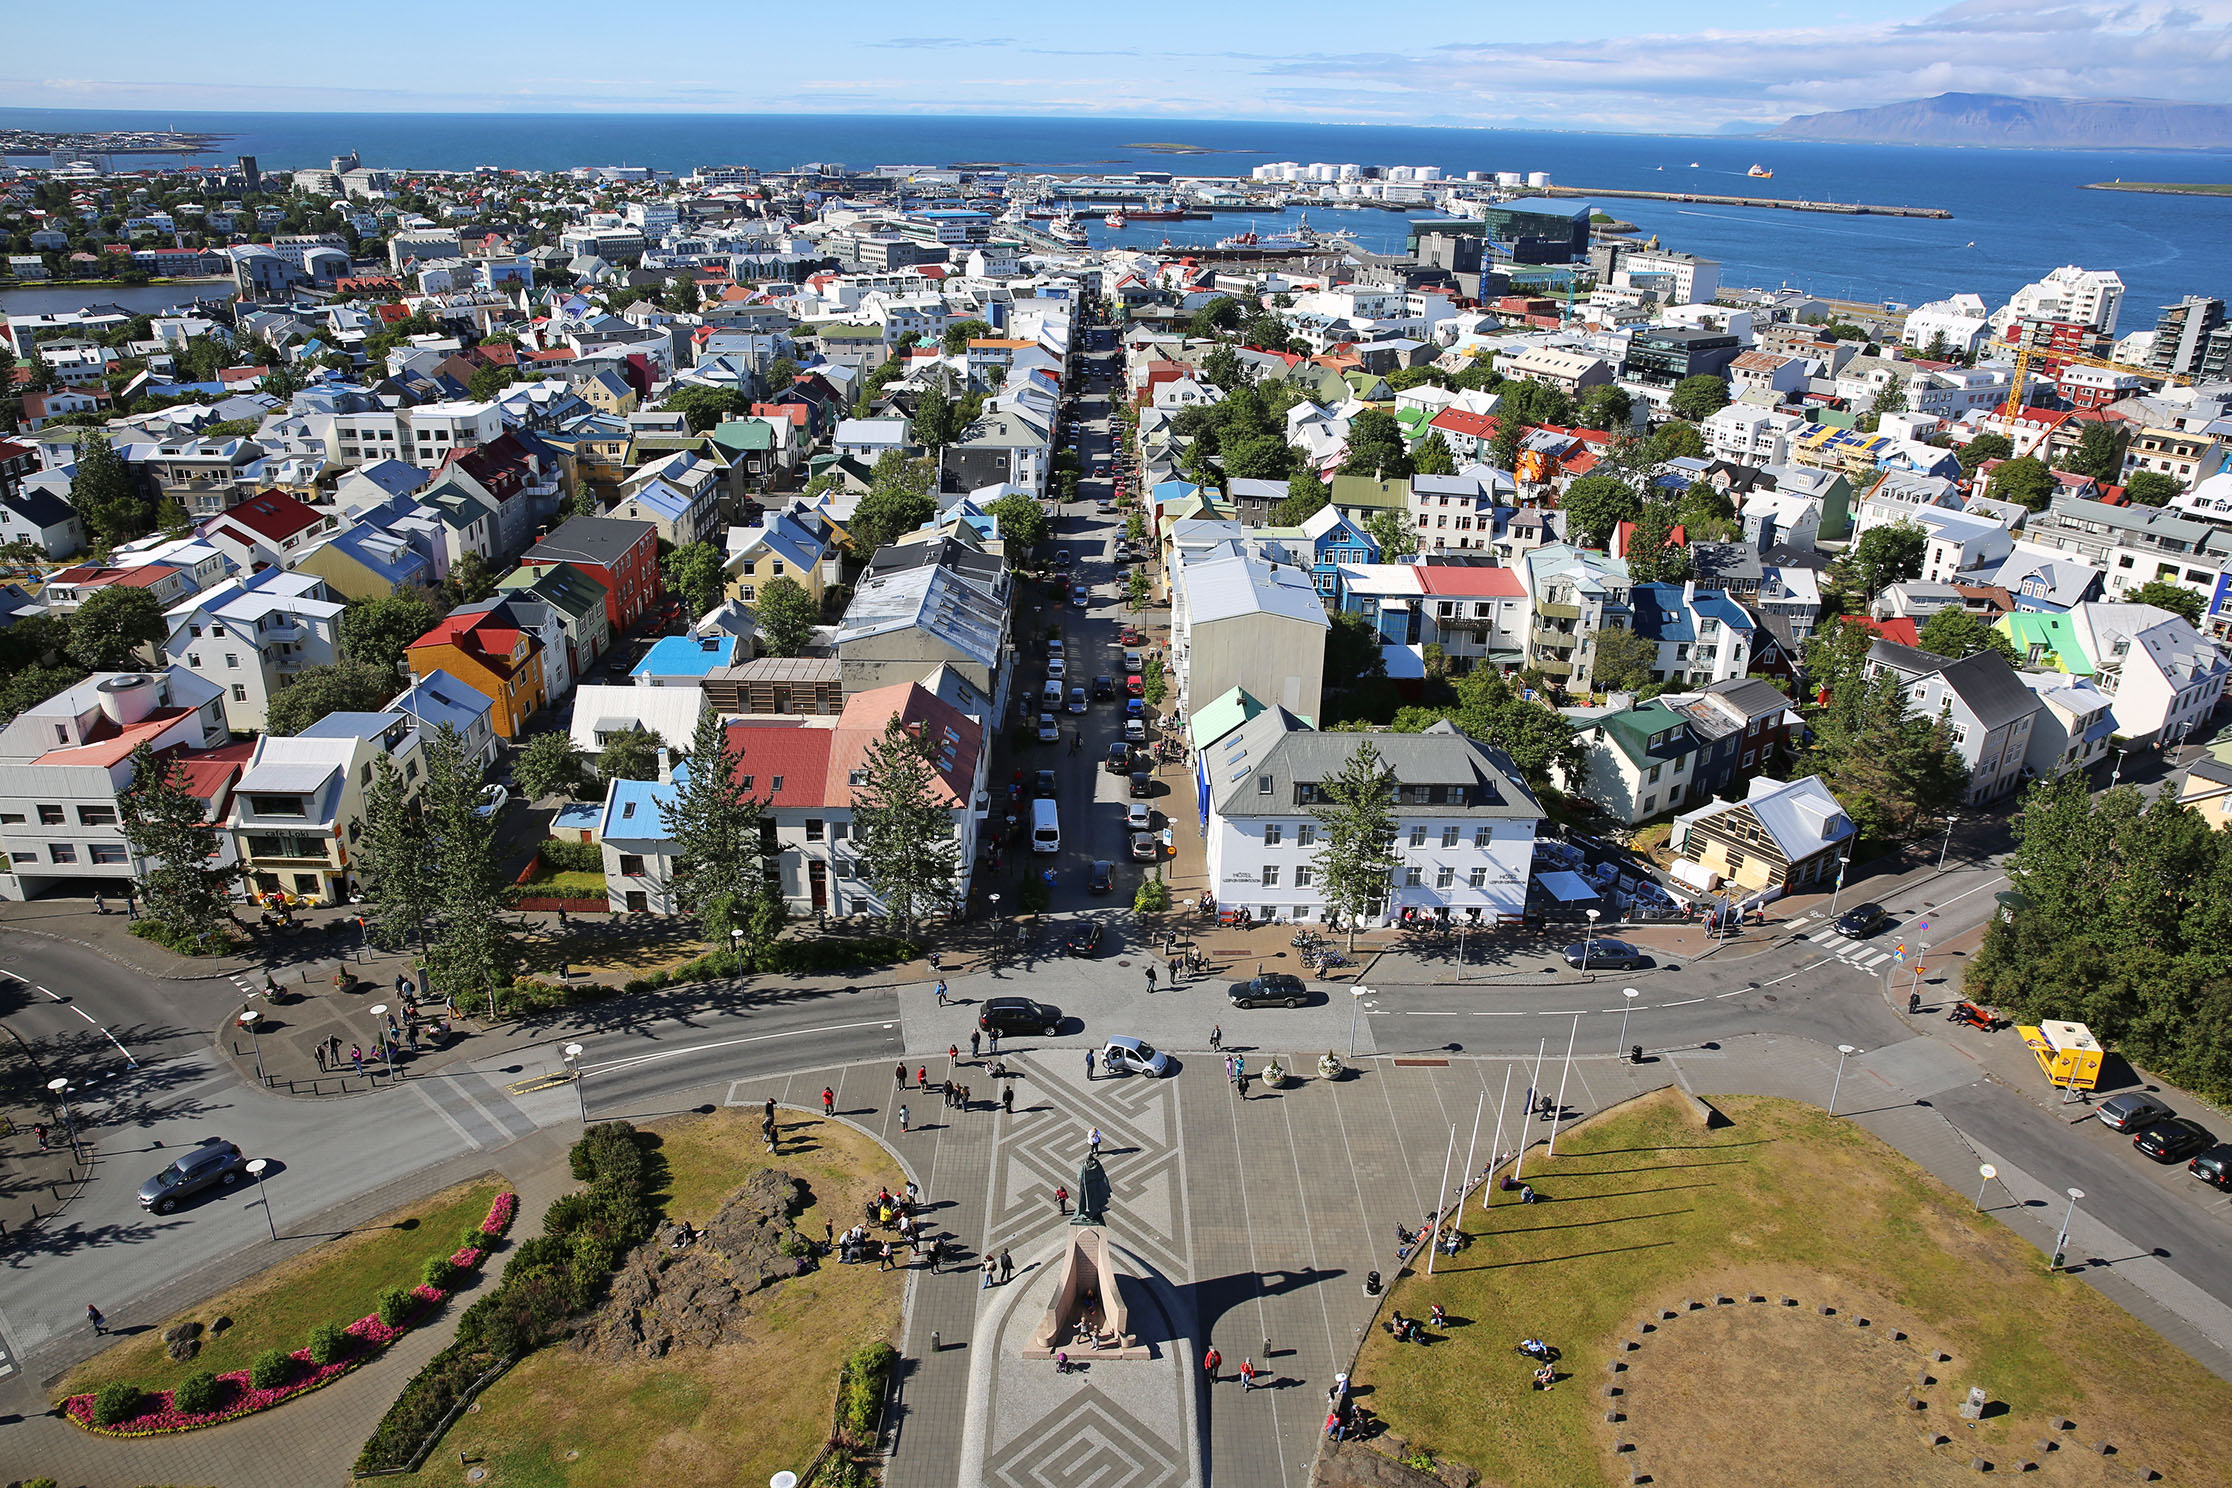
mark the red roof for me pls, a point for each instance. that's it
(1466, 580)
(786, 760)
(107, 744)
(208, 774)
(1901, 630)
(274, 515)
(796, 413)
(146, 576)
(391, 312)
(1457, 421)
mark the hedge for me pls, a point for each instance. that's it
(550, 1279)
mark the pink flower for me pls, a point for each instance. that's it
(468, 1258)
(500, 1214)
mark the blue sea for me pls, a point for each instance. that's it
(2017, 213)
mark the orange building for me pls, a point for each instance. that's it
(484, 647)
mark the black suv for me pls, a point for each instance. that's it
(1104, 688)
(1046, 786)
(1119, 758)
(1272, 989)
(1020, 1015)
(1142, 785)
(211, 1165)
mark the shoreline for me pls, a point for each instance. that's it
(2163, 188)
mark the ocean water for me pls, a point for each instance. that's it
(2017, 213)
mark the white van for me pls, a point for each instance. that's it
(1050, 697)
(1046, 827)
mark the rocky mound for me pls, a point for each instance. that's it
(686, 1289)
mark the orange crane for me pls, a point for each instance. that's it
(2014, 403)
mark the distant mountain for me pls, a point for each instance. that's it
(2044, 123)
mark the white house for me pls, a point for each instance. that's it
(253, 636)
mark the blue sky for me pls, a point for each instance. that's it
(1615, 64)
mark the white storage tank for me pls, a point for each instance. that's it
(1507, 178)
(1536, 180)
(129, 697)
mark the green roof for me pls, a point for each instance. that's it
(1362, 490)
(844, 331)
(1220, 716)
(744, 434)
(1632, 728)
(2056, 633)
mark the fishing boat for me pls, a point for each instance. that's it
(1161, 210)
(1066, 229)
(1115, 218)
(1301, 237)
(1761, 172)
(1239, 240)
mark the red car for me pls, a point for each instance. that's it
(1134, 686)
(1131, 635)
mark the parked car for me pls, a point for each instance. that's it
(1139, 817)
(1104, 688)
(1101, 877)
(1142, 785)
(492, 800)
(1054, 647)
(2214, 1167)
(1056, 668)
(216, 1164)
(1080, 598)
(1143, 849)
(1605, 952)
(1135, 685)
(2167, 1141)
(1272, 989)
(1062, 558)
(1134, 662)
(1861, 920)
(1084, 940)
(1119, 759)
(1131, 635)
(1045, 785)
(1135, 730)
(1135, 707)
(2131, 1111)
(1077, 699)
(1048, 730)
(1125, 1055)
(1019, 1015)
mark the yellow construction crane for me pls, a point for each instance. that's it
(2014, 403)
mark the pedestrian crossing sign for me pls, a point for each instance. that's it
(1898, 952)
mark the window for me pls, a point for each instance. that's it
(1449, 836)
(1652, 778)
(1482, 836)
(1271, 834)
(1735, 860)
(1303, 877)
(1263, 785)
(193, 659)
(1413, 877)
(1650, 804)
(50, 816)
(96, 816)
(239, 693)
(61, 852)
(107, 853)
(1270, 878)
(1444, 877)
(631, 865)
(1418, 837)
(813, 829)
(1477, 879)
(1305, 835)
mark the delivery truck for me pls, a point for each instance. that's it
(2067, 1052)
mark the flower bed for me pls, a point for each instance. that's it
(240, 1396)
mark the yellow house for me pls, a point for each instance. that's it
(2207, 788)
(608, 392)
(782, 548)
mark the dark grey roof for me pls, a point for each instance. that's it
(1990, 689)
(1277, 745)
(1910, 661)
(1721, 561)
(1753, 695)
(601, 540)
(39, 507)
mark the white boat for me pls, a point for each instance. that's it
(1065, 228)
(1115, 218)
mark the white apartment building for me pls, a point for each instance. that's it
(1743, 434)
(1961, 321)
(2088, 297)
(437, 429)
(253, 636)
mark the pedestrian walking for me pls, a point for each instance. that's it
(991, 1269)
(883, 1256)
(1007, 1099)
(38, 1129)
(995, 1037)
(941, 992)
(1242, 1082)
(1211, 1362)
(829, 1101)
(1247, 1374)
(914, 1195)
(937, 1257)
(1216, 1037)
(1007, 1266)
(100, 905)
(1061, 1199)
(922, 1076)
(317, 1053)
(976, 1041)
(93, 1316)
(356, 1057)
(966, 1097)
(1088, 1064)
(769, 1112)
(1093, 1141)
(902, 1118)
(899, 1073)
(402, 987)
(131, 905)
(1150, 979)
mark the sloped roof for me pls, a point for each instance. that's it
(1278, 745)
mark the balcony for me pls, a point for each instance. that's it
(1567, 612)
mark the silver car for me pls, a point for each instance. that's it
(1125, 1055)
(2131, 1112)
(216, 1164)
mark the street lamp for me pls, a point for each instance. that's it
(2061, 1241)
(1948, 847)
(1356, 1005)
(1844, 1052)
(1628, 1007)
(59, 1090)
(572, 1055)
(1588, 940)
(380, 1036)
(1844, 861)
(252, 1021)
(256, 1166)
(736, 949)
(2116, 774)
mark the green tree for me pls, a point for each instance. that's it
(1221, 314)
(1022, 520)
(1357, 810)
(1653, 557)
(28, 686)
(1432, 457)
(1955, 632)
(487, 383)
(902, 828)
(1608, 406)
(705, 407)
(98, 481)
(1890, 769)
(108, 629)
(781, 373)
(698, 572)
(1887, 554)
(1503, 445)
(552, 765)
(1837, 656)
(2163, 594)
(1983, 447)
(473, 950)
(786, 617)
(1375, 447)
(1596, 505)
(1708, 515)
(1257, 457)
(2098, 455)
(1624, 660)
(336, 687)
(935, 423)
(631, 754)
(1698, 397)
(1306, 496)
(188, 891)
(713, 820)
(2151, 487)
(395, 858)
(1393, 532)
(898, 501)
(1534, 403)
(1221, 367)
(377, 631)
(961, 333)
(681, 294)
(1890, 398)
(468, 580)
(1675, 440)
(2026, 481)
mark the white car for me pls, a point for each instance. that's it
(492, 799)
(1056, 668)
(1054, 647)
(1143, 847)
(1125, 1055)
(1139, 817)
(1049, 731)
(1135, 730)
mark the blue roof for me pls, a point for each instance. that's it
(438, 698)
(1660, 614)
(409, 566)
(631, 810)
(686, 656)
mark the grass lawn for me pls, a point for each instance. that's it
(336, 1283)
(733, 1415)
(1648, 1211)
(597, 946)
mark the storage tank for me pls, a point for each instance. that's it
(1538, 179)
(128, 697)
(1507, 178)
